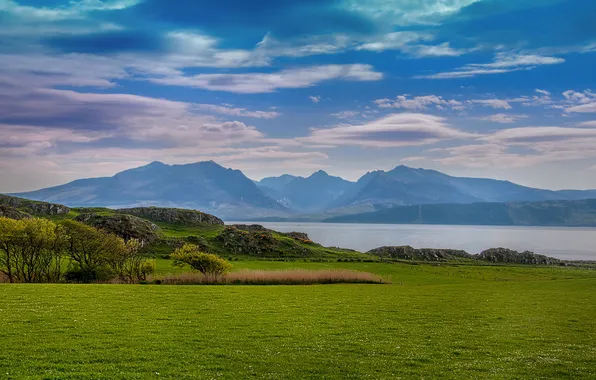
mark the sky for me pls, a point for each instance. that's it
(486, 88)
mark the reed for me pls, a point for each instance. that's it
(283, 277)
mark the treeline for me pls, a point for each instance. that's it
(41, 251)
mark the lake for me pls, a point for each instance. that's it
(562, 243)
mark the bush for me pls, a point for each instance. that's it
(209, 265)
(31, 250)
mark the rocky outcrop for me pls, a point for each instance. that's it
(251, 227)
(297, 235)
(258, 228)
(407, 252)
(504, 255)
(13, 213)
(258, 241)
(33, 207)
(125, 226)
(172, 215)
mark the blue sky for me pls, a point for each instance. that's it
(490, 88)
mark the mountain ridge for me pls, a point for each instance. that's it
(228, 192)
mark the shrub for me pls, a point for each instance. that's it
(31, 250)
(209, 265)
(129, 265)
(93, 252)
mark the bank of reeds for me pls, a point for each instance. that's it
(283, 277)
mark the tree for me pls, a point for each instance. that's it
(129, 265)
(31, 250)
(91, 251)
(10, 233)
(208, 264)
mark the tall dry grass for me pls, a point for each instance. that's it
(284, 277)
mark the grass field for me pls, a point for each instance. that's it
(431, 322)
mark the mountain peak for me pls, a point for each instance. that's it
(320, 173)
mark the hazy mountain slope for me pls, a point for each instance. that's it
(313, 193)
(545, 213)
(204, 185)
(409, 186)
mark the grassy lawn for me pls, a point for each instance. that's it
(432, 322)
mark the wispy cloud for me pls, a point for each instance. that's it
(345, 114)
(504, 118)
(253, 83)
(419, 102)
(503, 63)
(315, 98)
(390, 131)
(234, 111)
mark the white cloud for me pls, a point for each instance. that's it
(394, 41)
(408, 12)
(530, 135)
(315, 98)
(493, 103)
(587, 124)
(419, 102)
(441, 50)
(503, 118)
(542, 92)
(232, 111)
(252, 83)
(346, 114)
(584, 108)
(584, 97)
(390, 131)
(503, 63)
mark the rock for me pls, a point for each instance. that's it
(297, 235)
(504, 255)
(172, 215)
(251, 227)
(13, 213)
(258, 228)
(33, 207)
(407, 252)
(125, 226)
(256, 240)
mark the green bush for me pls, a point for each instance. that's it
(208, 264)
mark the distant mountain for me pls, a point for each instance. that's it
(408, 186)
(545, 213)
(311, 194)
(229, 194)
(203, 185)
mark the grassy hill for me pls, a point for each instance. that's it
(164, 229)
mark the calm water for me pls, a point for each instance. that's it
(563, 243)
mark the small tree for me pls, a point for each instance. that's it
(31, 250)
(211, 266)
(129, 265)
(91, 251)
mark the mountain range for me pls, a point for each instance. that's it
(228, 193)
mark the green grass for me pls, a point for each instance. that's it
(432, 322)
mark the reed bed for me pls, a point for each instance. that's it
(282, 277)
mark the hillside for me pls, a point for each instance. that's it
(203, 185)
(404, 186)
(231, 195)
(163, 229)
(547, 213)
(312, 194)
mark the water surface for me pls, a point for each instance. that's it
(563, 243)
